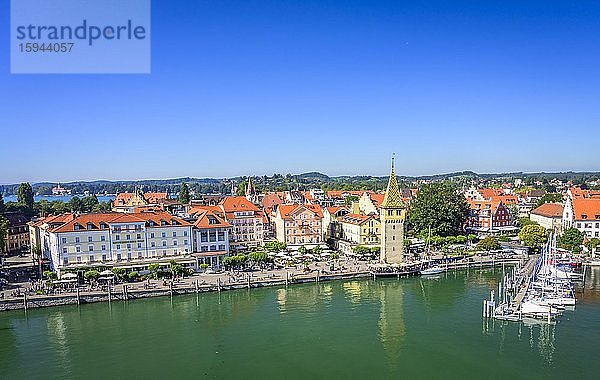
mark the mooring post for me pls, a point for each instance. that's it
(196, 285)
(78, 300)
(249, 280)
(25, 301)
(109, 293)
(219, 284)
(287, 274)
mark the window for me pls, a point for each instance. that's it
(102, 238)
(103, 247)
(64, 240)
(117, 237)
(152, 235)
(153, 244)
(164, 234)
(128, 237)
(78, 259)
(91, 258)
(174, 233)
(174, 243)
(65, 261)
(139, 245)
(128, 245)
(203, 236)
(185, 242)
(213, 247)
(139, 236)
(184, 233)
(212, 236)
(90, 248)
(221, 236)
(164, 243)
(221, 247)
(65, 250)
(90, 239)
(77, 239)
(104, 257)
(77, 249)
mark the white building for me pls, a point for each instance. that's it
(115, 239)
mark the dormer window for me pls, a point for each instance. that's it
(163, 223)
(103, 225)
(173, 222)
(597, 216)
(583, 216)
(151, 223)
(90, 226)
(76, 227)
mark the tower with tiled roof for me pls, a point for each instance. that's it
(392, 216)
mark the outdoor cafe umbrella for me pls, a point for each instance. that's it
(68, 276)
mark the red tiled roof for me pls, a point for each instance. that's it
(287, 210)
(586, 208)
(355, 218)
(550, 210)
(233, 204)
(210, 219)
(116, 217)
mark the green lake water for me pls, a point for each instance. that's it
(411, 328)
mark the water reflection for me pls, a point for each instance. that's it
(57, 336)
(391, 320)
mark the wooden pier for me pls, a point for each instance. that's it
(523, 284)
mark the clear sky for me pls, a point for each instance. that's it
(257, 87)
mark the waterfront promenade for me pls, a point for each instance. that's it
(23, 296)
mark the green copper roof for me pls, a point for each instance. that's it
(392, 197)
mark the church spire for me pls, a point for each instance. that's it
(249, 187)
(392, 198)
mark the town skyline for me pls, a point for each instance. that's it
(306, 173)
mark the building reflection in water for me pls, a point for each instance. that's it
(57, 336)
(391, 320)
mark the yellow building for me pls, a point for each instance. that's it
(360, 229)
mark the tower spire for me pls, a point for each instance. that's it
(392, 198)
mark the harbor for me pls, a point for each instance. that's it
(542, 288)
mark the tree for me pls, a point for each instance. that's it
(176, 269)
(75, 204)
(49, 275)
(533, 236)
(317, 250)
(592, 244)
(154, 268)
(91, 275)
(275, 246)
(471, 238)
(571, 239)
(523, 221)
(258, 257)
(549, 198)
(361, 250)
(25, 196)
(184, 194)
(440, 206)
(302, 250)
(488, 243)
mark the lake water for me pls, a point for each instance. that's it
(64, 198)
(423, 328)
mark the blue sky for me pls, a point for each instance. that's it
(241, 87)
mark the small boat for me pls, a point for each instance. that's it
(432, 270)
